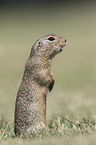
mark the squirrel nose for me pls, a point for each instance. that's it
(65, 40)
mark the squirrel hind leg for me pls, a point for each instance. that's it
(50, 87)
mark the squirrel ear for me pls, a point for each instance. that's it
(39, 45)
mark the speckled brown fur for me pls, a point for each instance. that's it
(37, 81)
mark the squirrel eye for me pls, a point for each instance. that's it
(51, 38)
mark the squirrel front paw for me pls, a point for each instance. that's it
(50, 87)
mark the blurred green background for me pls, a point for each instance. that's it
(74, 93)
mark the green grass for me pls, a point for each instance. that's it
(56, 127)
(74, 93)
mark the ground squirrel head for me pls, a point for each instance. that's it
(48, 46)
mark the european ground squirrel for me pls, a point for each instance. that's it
(37, 81)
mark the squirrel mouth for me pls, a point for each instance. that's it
(61, 48)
